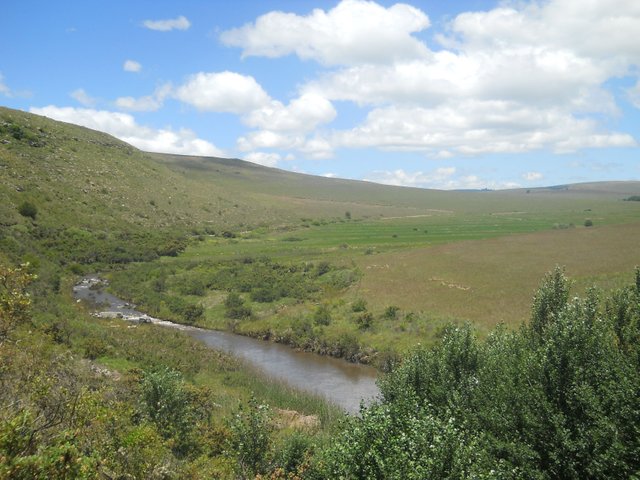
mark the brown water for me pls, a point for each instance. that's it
(343, 383)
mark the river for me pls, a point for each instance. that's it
(342, 383)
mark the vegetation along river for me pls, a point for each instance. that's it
(340, 382)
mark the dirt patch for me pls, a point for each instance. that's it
(444, 283)
(293, 419)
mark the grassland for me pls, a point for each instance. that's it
(437, 267)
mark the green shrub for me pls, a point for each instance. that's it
(391, 312)
(28, 209)
(588, 222)
(250, 438)
(235, 307)
(364, 320)
(360, 305)
(322, 315)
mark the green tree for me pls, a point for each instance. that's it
(165, 402)
(549, 301)
(250, 438)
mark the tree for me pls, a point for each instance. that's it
(250, 438)
(550, 299)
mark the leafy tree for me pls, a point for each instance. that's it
(549, 300)
(250, 438)
(555, 399)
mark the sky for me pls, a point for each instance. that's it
(449, 95)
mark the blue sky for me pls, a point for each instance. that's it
(475, 94)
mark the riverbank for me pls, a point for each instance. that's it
(342, 383)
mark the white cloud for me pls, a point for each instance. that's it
(520, 77)
(83, 97)
(603, 30)
(285, 127)
(443, 178)
(124, 127)
(131, 66)
(473, 127)
(4, 89)
(301, 115)
(179, 23)
(355, 31)
(268, 139)
(634, 95)
(532, 176)
(317, 148)
(263, 158)
(223, 92)
(148, 103)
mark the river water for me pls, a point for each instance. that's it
(342, 383)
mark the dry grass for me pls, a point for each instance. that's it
(492, 281)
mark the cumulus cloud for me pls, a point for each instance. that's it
(634, 94)
(131, 66)
(179, 23)
(223, 92)
(124, 127)
(4, 89)
(444, 178)
(476, 127)
(286, 126)
(268, 139)
(147, 103)
(263, 158)
(83, 97)
(512, 79)
(355, 31)
(302, 114)
(532, 176)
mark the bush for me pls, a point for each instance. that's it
(15, 302)
(250, 438)
(588, 222)
(322, 268)
(365, 320)
(235, 307)
(28, 209)
(322, 315)
(192, 313)
(360, 305)
(391, 312)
